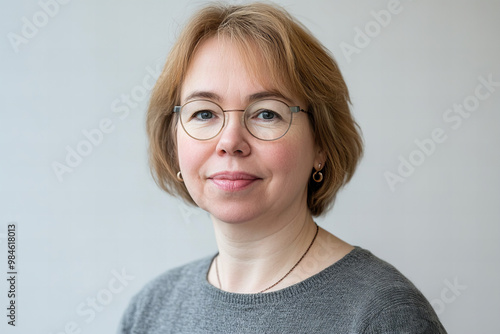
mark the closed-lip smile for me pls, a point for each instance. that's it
(233, 181)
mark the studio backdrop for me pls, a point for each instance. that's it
(83, 226)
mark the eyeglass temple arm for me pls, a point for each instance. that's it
(297, 109)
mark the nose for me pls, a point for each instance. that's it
(233, 139)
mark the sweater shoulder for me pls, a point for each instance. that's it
(176, 279)
(181, 275)
(158, 292)
(378, 280)
(374, 272)
(387, 299)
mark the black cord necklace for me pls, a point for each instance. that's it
(281, 279)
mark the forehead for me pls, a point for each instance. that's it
(225, 68)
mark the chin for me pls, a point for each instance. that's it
(234, 213)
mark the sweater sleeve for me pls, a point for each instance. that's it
(408, 313)
(125, 325)
(406, 320)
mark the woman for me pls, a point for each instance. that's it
(250, 121)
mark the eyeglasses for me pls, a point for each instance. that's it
(264, 119)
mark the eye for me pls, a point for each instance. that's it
(267, 114)
(203, 115)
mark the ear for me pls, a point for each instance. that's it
(319, 159)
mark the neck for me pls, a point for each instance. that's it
(255, 255)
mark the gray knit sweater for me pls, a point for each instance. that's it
(358, 294)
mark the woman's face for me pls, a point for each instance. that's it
(235, 176)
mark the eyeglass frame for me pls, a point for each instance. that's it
(293, 110)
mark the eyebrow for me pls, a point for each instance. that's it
(203, 95)
(251, 98)
(268, 94)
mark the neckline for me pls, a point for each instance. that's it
(304, 286)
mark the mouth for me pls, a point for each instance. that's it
(233, 181)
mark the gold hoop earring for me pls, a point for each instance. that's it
(179, 177)
(318, 176)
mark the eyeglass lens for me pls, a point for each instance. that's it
(265, 119)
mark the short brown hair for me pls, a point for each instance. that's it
(293, 59)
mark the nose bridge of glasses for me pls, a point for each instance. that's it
(227, 118)
(227, 110)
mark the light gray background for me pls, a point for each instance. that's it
(440, 227)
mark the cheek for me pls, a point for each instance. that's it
(293, 159)
(191, 158)
(284, 158)
(189, 153)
